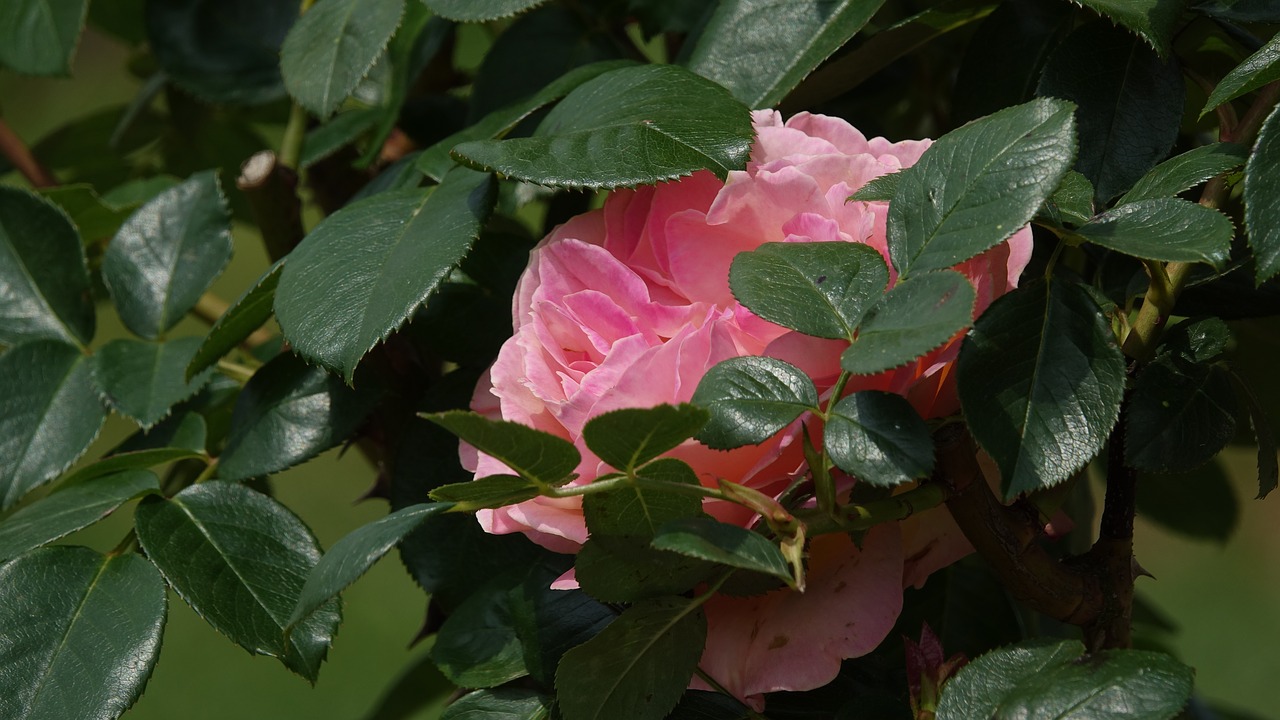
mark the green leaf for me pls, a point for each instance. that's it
(1179, 417)
(500, 704)
(549, 622)
(750, 399)
(143, 380)
(1129, 103)
(224, 51)
(250, 312)
(821, 289)
(340, 131)
(614, 568)
(879, 438)
(354, 554)
(918, 315)
(1268, 462)
(1185, 171)
(638, 667)
(717, 542)
(629, 438)
(1071, 203)
(1040, 379)
(1054, 680)
(332, 46)
(129, 461)
(49, 413)
(627, 127)
(477, 646)
(44, 282)
(82, 633)
(881, 189)
(334, 306)
(1262, 198)
(639, 509)
(435, 161)
(288, 413)
(1196, 341)
(69, 509)
(1200, 504)
(761, 49)
(419, 38)
(240, 560)
(535, 455)
(39, 37)
(1260, 68)
(487, 492)
(957, 201)
(94, 218)
(480, 10)
(167, 254)
(1152, 20)
(1166, 229)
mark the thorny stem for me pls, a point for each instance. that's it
(19, 155)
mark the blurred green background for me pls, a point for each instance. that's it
(1223, 597)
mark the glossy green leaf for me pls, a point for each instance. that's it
(750, 399)
(334, 306)
(614, 568)
(1179, 417)
(1053, 680)
(340, 131)
(638, 667)
(881, 189)
(480, 10)
(250, 312)
(822, 288)
(69, 509)
(82, 633)
(1185, 171)
(288, 413)
(1040, 379)
(435, 161)
(240, 560)
(332, 46)
(1258, 69)
(49, 413)
(167, 254)
(537, 456)
(1199, 340)
(631, 437)
(627, 127)
(130, 461)
(1262, 199)
(354, 554)
(549, 622)
(761, 49)
(918, 315)
(1152, 20)
(419, 38)
(879, 438)
(500, 704)
(39, 37)
(1167, 229)
(94, 217)
(225, 51)
(1071, 203)
(143, 380)
(44, 282)
(959, 201)
(1200, 504)
(477, 646)
(1129, 103)
(717, 542)
(639, 509)
(487, 492)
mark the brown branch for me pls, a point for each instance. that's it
(19, 155)
(1111, 557)
(272, 191)
(1006, 537)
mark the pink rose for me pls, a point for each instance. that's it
(629, 305)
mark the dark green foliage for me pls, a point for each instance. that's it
(878, 438)
(69, 509)
(751, 399)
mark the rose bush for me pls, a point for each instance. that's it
(629, 306)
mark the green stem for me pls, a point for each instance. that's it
(864, 516)
(824, 488)
(208, 471)
(294, 133)
(643, 482)
(235, 371)
(128, 544)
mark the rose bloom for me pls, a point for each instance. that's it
(629, 306)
